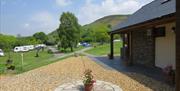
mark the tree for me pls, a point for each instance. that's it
(69, 31)
(96, 32)
(41, 36)
(26, 41)
(7, 42)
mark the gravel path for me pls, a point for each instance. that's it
(49, 77)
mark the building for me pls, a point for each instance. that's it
(149, 35)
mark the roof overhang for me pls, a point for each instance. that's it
(147, 24)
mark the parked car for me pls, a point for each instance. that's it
(85, 44)
(1, 52)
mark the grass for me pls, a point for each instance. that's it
(105, 49)
(68, 50)
(30, 61)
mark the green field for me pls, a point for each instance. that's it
(30, 61)
(105, 49)
(68, 50)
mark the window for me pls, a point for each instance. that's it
(160, 32)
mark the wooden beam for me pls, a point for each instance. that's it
(178, 47)
(111, 47)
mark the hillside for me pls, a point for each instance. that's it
(109, 20)
(97, 28)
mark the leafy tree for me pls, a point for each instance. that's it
(41, 36)
(26, 41)
(69, 31)
(53, 38)
(7, 42)
(88, 35)
(96, 33)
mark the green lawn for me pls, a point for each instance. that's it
(68, 50)
(30, 61)
(105, 49)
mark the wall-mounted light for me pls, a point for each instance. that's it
(149, 32)
(174, 29)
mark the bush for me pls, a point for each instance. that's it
(9, 65)
(49, 51)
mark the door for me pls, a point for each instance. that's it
(165, 48)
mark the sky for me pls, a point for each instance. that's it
(26, 17)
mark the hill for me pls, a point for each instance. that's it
(109, 20)
(98, 28)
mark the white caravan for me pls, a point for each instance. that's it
(23, 48)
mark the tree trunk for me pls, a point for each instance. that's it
(72, 49)
(37, 53)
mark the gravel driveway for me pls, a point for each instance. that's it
(49, 77)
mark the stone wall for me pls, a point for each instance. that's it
(143, 48)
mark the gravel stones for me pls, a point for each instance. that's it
(48, 78)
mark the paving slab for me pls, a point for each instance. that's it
(98, 86)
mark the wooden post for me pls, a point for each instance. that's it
(22, 60)
(111, 47)
(178, 46)
(122, 48)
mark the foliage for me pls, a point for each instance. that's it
(94, 31)
(49, 51)
(9, 64)
(41, 36)
(7, 42)
(97, 31)
(88, 77)
(53, 38)
(26, 41)
(68, 31)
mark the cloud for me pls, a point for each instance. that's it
(63, 3)
(42, 21)
(92, 11)
(42, 17)
(26, 25)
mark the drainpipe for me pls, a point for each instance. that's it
(178, 59)
(178, 47)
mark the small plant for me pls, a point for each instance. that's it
(88, 80)
(49, 51)
(9, 65)
(169, 74)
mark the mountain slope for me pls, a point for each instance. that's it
(100, 27)
(111, 20)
